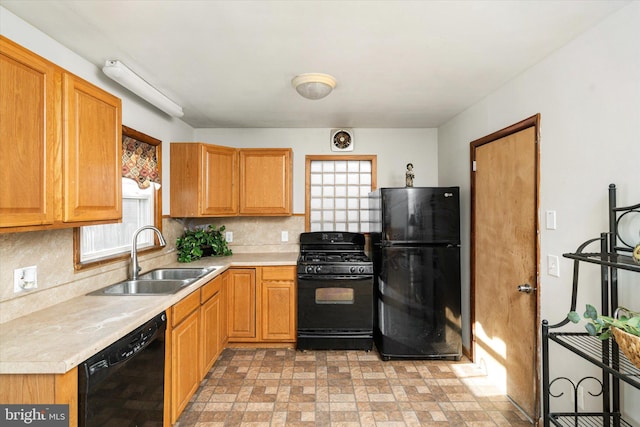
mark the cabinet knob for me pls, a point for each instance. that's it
(526, 288)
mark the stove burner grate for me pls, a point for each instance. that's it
(334, 258)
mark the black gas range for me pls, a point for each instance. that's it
(335, 292)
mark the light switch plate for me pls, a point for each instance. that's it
(551, 220)
(228, 236)
(284, 236)
(553, 265)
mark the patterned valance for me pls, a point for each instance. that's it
(139, 162)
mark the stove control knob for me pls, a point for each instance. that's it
(318, 269)
(360, 269)
(352, 269)
(309, 269)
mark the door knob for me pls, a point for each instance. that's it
(526, 288)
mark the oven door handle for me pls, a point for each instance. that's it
(326, 278)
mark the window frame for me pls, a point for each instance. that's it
(310, 158)
(77, 263)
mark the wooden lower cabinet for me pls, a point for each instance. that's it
(242, 304)
(197, 338)
(262, 304)
(278, 303)
(42, 389)
(211, 326)
(185, 367)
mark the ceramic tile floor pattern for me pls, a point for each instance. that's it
(285, 387)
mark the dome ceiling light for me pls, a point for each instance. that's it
(314, 85)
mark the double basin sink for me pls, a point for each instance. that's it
(161, 281)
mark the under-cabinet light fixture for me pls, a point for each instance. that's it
(136, 84)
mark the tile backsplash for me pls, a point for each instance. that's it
(52, 253)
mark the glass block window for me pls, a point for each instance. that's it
(338, 193)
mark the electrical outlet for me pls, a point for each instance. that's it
(284, 236)
(25, 279)
(553, 265)
(228, 236)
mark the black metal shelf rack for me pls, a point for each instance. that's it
(614, 255)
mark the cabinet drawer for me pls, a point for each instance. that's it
(210, 289)
(185, 307)
(279, 273)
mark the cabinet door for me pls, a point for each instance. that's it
(210, 341)
(278, 293)
(42, 389)
(92, 154)
(219, 192)
(242, 304)
(185, 366)
(265, 181)
(28, 132)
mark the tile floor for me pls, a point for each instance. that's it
(284, 387)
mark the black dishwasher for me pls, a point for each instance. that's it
(123, 385)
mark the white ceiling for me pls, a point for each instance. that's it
(398, 63)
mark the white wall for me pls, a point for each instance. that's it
(588, 94)
(394, 148)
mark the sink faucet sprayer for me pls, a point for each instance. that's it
(135, 267)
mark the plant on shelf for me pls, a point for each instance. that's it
(209, 241)
(601, 326)
(624, 326)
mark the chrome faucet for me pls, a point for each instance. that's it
(135, 267)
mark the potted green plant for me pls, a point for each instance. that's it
(624, 326)
(209, 241)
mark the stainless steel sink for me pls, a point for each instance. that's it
(161, 281)
(176, 273)
(143, 287)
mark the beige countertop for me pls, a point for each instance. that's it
(57, 339)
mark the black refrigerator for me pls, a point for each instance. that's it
(416, 254)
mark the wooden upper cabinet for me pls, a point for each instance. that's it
(211, 180)
(266, 181)
(28, 132)
(220, 188)
(60, 146)
(92, 158)
(203, 180)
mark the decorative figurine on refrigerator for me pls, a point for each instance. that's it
(409, 175)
